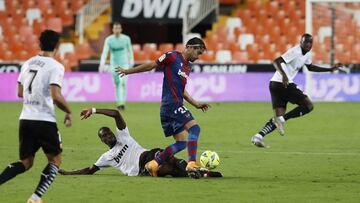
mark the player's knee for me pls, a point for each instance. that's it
(310, 107)
(28, 163)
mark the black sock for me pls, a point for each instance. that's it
(268, 128)
(47, 177)
(11, 171)
(296, 112)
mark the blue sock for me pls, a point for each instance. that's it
(170, 151)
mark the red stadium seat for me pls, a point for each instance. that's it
(149, 47)
(141, 56)
(208, 56)
(155, 55)
(136, 47)
(165, 47)
(179, 47)
(240, 57)
(54, 24)
(83, 51)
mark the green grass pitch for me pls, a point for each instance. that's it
(318, 160)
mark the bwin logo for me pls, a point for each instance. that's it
(121, 153)
(159, 8)
(182, 74)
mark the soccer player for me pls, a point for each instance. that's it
(176, 119)
(39, 84)
(121, 54)
(126, 155)
(284, 90)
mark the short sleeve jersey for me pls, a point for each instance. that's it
(124, 156)
(36, 76)
(294, 60)
(176, 72)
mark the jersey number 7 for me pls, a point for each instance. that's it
(32, 79)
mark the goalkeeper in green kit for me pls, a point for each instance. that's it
(121, 54)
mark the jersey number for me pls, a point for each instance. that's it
(32, 79)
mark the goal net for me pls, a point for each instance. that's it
(335, 25)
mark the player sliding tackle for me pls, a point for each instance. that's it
(176, 119)
(127, 156)
(284, 90)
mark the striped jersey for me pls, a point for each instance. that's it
(176, 72)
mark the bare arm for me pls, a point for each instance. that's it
(137, 69)
(60, 102)
(20, 90)
(277, 64)
(315, 68)
(203, 106)
(120, 123)
(85, 171)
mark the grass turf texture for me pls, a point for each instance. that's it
(316, 161)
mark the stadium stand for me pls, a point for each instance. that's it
(256, 31)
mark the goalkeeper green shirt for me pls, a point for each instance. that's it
(121, 53)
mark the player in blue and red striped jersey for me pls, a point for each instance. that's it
(176, 119)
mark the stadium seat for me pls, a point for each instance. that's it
(232, 23)
(22, 55)
(32, 14)
(76, 5)
(83, 51)
(223, 56)
(8, 56)
(141, 56)
(165, 47)
(240, 57)
(149, 47)
(44, 5)
(67, 17)
(245, 39)
(180, 47)
(72, 57)
(155, 55)
(66, 47)
(54, 24)
(136, 47)
(208, 56)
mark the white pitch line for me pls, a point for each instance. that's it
(292, 153)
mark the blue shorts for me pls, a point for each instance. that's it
(173, 118)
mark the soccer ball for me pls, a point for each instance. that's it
(209, 159)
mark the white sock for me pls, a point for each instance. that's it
(35, 197)
(281, 118)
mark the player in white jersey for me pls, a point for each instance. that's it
(39, 84)
(126, 155)
(284, 90)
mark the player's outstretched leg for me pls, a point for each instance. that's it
(47, 177)
(11, 171)
(164, 156)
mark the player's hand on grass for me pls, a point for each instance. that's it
(121, 71)
(68, 120)
(203, 106)
(85, 113)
